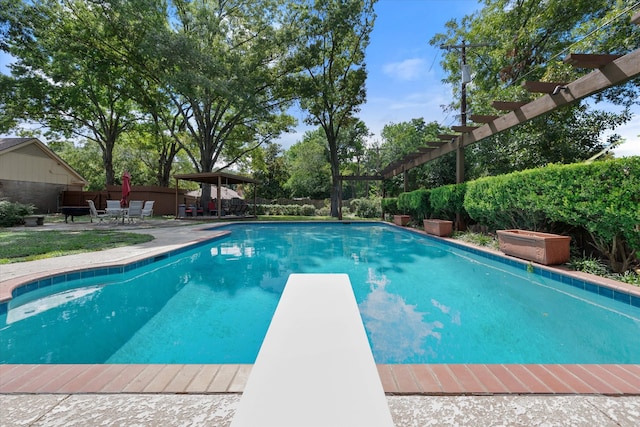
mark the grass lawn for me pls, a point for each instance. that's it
(18, 246)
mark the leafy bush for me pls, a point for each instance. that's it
(307, 210)
(288, 210)
(506, 201)
(323, 211)
(595, 266)
(390, 205)
(13, 213)
(589, 265)
(447, 201)
(415, 203)
(479, 239)
(602, 198)
(366, 208)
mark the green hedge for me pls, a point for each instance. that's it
(288, 210)
(390, 205)
(602, 198)
(447, 201)
(415, 203)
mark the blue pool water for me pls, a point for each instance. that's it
(421, 301)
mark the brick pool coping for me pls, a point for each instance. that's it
(614, 380)
(425, 379)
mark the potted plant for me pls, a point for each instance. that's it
(402, 220)
(438, 227)
(543, 248)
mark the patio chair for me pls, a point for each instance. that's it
(234, 206)
(114, 210)
(95, 214)
(243, 209)
(134, 211)
(147, 210)
(211, 207)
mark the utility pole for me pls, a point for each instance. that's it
(466, 78)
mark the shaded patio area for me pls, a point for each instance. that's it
(218, 179)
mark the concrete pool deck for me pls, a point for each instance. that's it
(209, 394)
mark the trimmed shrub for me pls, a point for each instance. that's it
(390, 205)
(12, 213)
(307, 210)
(286, 210)
(366, 208)
(415, 203)
(324, 211)
(447, 201)
(602, 198)
(507, 201)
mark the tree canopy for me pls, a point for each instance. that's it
(331, 86)
(159, 86)
(527, 40)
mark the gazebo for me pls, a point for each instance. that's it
(218, 179)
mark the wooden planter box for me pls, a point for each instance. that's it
(438, 227)
(402, 220)
(543, 248)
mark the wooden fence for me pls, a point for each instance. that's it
(164, 198)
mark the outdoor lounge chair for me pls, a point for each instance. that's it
(147, 210)
(95, 214)
(135, 210)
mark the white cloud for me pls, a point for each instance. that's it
(409, 69)
(629, 131)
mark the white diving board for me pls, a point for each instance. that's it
(315, 366)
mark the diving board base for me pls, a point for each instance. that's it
(315, 366)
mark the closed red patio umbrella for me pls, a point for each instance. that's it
(126, 188)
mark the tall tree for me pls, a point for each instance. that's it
(62, 77)
(270, 168)
(308, 167)
(228, 63)
(351, 152)
(334, 34)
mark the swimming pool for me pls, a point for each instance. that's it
(422, 301)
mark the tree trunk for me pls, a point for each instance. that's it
(335, 195)
(107, 158)
(335, 175)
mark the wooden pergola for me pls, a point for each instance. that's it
(609, 70)
(218, 179)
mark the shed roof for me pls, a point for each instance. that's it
(215, 177)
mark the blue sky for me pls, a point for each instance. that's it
(404, 74)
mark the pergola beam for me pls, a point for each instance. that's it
(615, 73)
(464, 129)
(581, 60)
(479, 118)
(542, 87)
(507, 105)
(361, 177)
